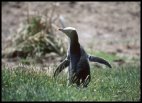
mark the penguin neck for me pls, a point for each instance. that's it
(74, 39)
(74, 46)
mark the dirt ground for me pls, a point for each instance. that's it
(112, 27)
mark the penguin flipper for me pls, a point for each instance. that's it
(99, 60)
(62, 66)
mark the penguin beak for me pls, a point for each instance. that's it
(64, 31)
(61, 30)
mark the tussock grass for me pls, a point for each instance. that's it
(36, 37)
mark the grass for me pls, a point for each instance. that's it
(116, 84)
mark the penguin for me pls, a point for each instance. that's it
(77, 60)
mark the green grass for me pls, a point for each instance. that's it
(116, 84)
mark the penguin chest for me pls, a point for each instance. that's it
(74, 60)
(83, 68)
(79, 65)
(79, 71)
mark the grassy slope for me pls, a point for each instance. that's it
(116, 84)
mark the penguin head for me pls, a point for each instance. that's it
(70, 32)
